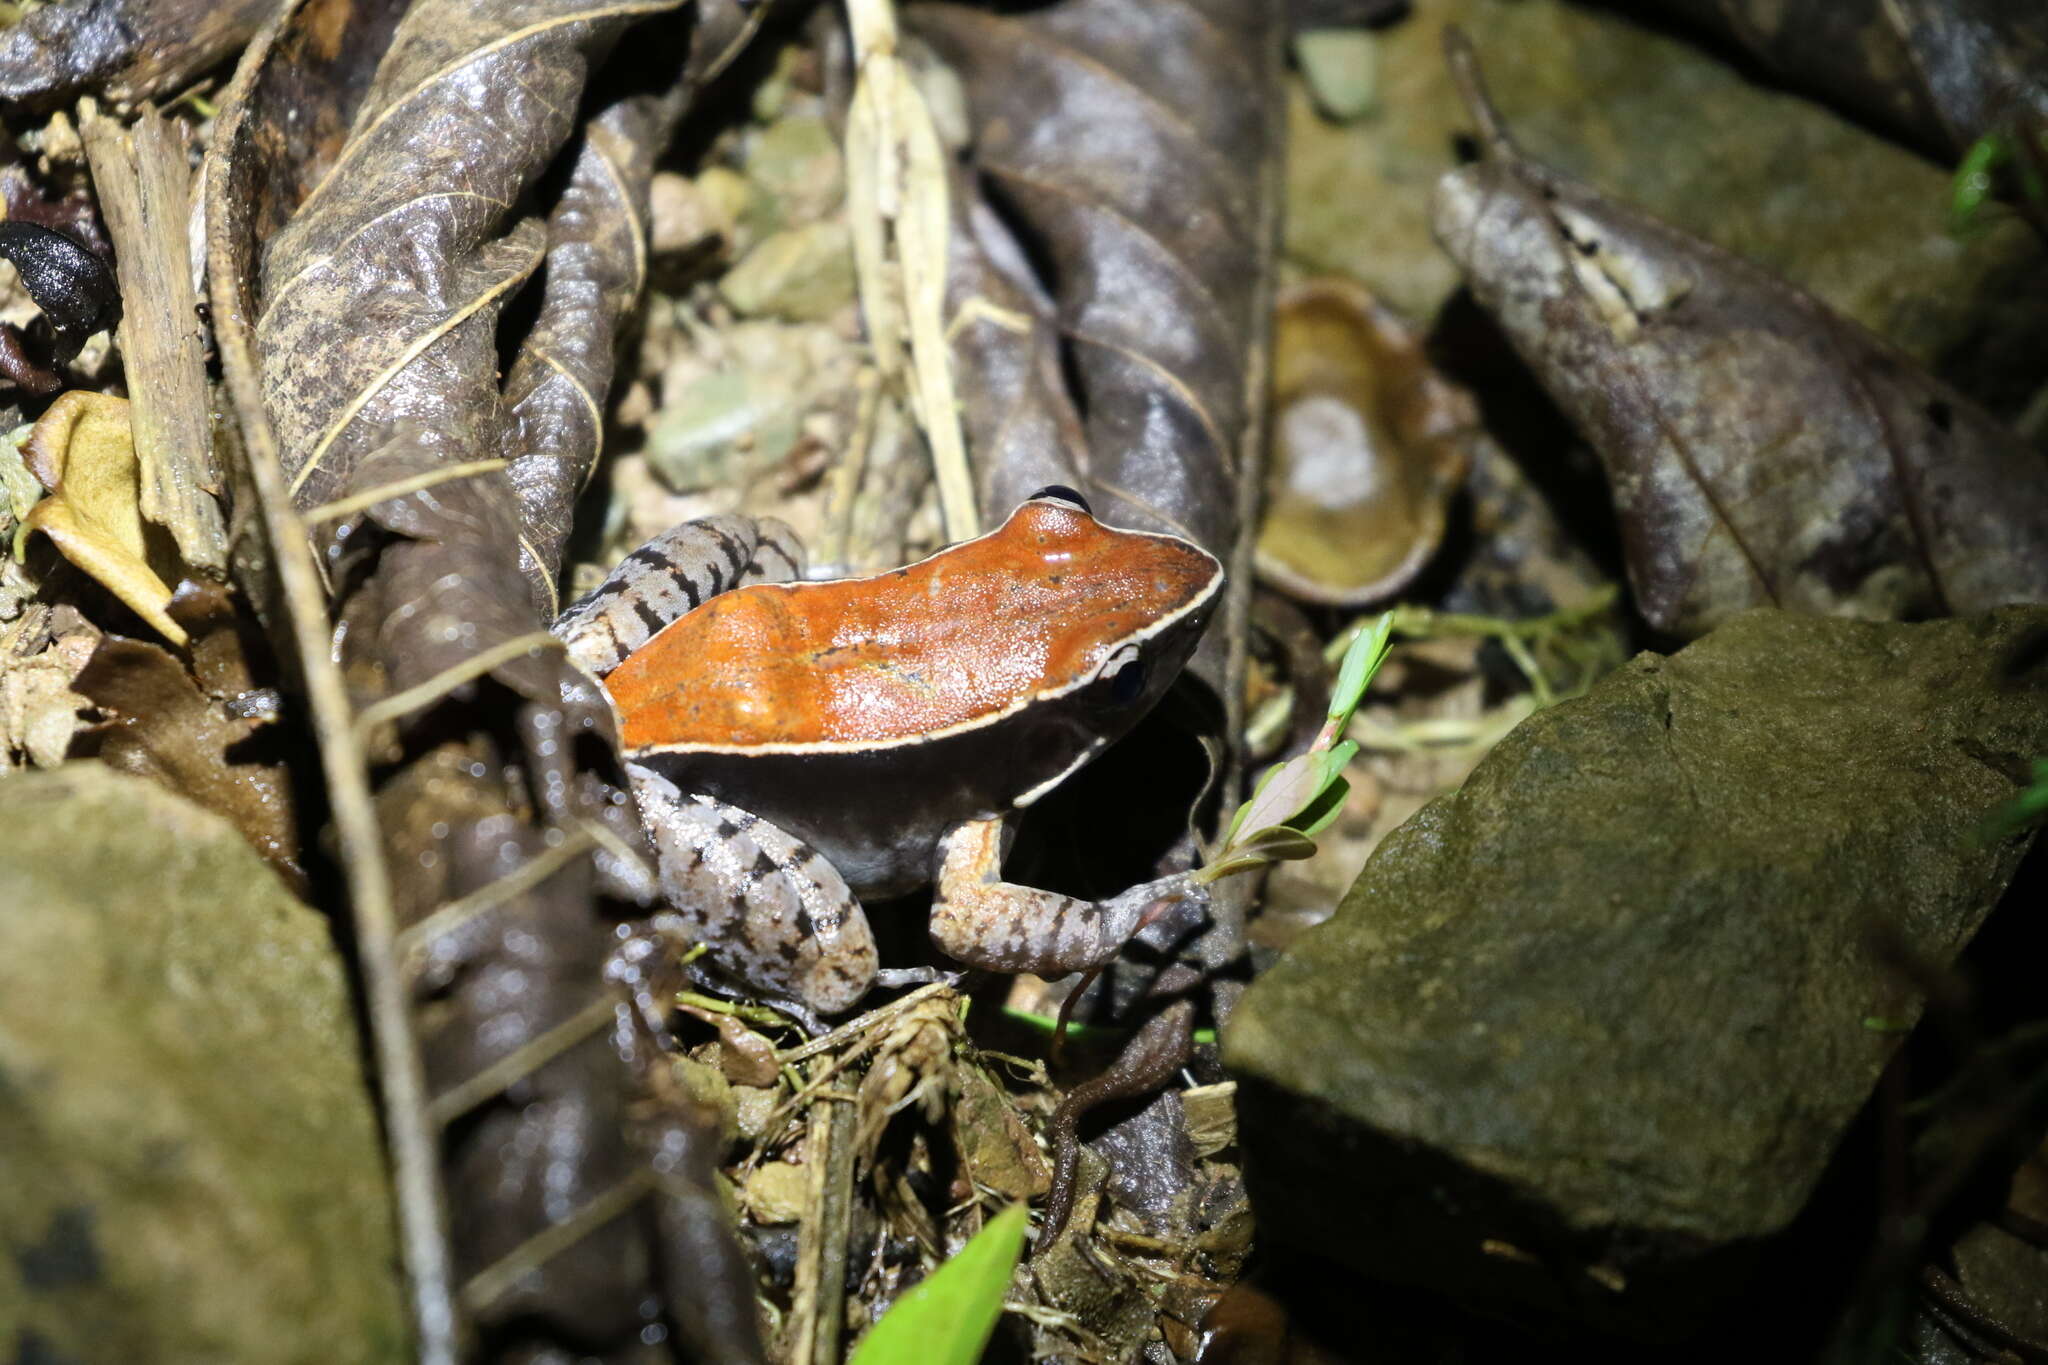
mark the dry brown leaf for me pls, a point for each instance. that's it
(1763, 450)
(161, 725)
(1941, 72)
(83, 452)
(1118, 244)
(39, 659)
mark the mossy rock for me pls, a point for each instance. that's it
(192, 1169)
(1586, 1032)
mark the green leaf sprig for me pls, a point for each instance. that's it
(947, 1319)
(1999, 153)
(1297, 799)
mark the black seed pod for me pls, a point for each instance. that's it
(72, 286)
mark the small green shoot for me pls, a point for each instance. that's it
(2000, 153)
(1084, 1033)
(1973, 183)
(2024, 811)
(948, 1319)
(1297, 799)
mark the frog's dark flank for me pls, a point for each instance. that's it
(73, 287)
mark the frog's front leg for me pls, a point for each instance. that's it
(777, 914)
(984, 921)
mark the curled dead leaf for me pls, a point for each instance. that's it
(1368, 446)
(1763, 449)
(83, 452)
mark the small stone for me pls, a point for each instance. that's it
(193, 1169)
(1606, 1004)
(775, 1192)
(721, 428)
(681, 216)
(797, 164)
(1341, 68)
(804, 274)
(735, 205)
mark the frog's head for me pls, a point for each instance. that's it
(1125, 610)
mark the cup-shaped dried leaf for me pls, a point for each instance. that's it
(1368, 445)
(82, 451)
(1763, 449)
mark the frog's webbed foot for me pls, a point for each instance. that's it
(984, 921)
(775, 914)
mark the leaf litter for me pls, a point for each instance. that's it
(440, 505)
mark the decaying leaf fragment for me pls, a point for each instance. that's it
(1762, 449)
(82, 451)
(1368, 444)
(41, 652)
(161, 723)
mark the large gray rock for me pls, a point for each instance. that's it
(189, 1164)
(1586, 1032)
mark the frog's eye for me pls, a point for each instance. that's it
(1059, 492)
(1126, 674)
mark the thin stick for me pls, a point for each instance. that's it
(819, 1310)
(897, 198)
(1463, 61)
(145, 191)
(853, 1028)
(401, 1083)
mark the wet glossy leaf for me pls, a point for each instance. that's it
(159, 724)
(83, 453)
(130, 48)
(1119, 230)
(1762, 449)
(947, 1319)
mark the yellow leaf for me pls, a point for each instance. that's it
(82, 451)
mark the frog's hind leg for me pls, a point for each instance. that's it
(984, 921)
(776, 914)
(678, 570)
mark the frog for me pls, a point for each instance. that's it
(798, 746)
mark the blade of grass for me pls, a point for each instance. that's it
(948, 1319)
